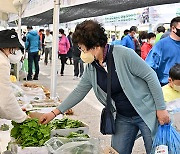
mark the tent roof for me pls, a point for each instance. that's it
(7, 6)
(92, 9)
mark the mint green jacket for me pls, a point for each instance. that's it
(139, 82)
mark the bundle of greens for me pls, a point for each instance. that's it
(30, 133)
(4, 127)
(66, 123)
(77, 135)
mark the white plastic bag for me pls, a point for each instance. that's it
(63, 145)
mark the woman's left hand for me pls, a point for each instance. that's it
(163, 116)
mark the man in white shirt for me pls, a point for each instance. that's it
(48, 46)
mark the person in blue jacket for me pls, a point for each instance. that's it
(32, 45)
(128, 40)
(166, 53)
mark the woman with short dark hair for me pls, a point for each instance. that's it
(136, 94)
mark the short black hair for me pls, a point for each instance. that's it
(70, 33)
(150, 35)
(41, 30)
(61, 31)
(29, 27)
(126, 31)
(90, 33)
(133, 28)
(48, 30)
(13, 29)
(175, 21)
(161, 29)
(143, 35)
(174, 72)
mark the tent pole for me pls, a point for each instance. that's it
(19, 21)
(55, 48)
(19, 36)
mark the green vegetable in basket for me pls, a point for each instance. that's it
(77, 135)
(66, 123)
(30, 133)
(4, 127)
(36, 98)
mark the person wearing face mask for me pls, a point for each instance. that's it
(9, 52)
(166, 53)
(160, 32)
(146, 47)
(171, 91)
(128, 40)
(64, 47)
(33, 45)
(137, 99)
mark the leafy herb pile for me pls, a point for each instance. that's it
(77, 135)
(30, 133)
(4, 127)
(66, 123)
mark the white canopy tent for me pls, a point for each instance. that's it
(12, 6)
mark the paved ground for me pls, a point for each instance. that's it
(88, 110)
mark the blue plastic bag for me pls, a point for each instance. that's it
(168, 136)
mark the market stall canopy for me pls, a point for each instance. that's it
(7, 6)
(91, 9)
(10, 6)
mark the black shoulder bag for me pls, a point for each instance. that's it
(107, 125)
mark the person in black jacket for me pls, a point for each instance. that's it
(78, 63)
(42, 37)
(69, 54)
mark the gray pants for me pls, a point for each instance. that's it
(48, 51)
(78, 67)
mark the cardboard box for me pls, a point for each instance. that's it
(110, 150)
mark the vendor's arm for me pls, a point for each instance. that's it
(9, 107)
(74, 98)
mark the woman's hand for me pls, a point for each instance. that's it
(163, 116)
(47, 117)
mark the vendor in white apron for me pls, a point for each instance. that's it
(9, 53)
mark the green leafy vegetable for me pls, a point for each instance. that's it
(77, 135)
(4, 127)
(36, 98)
(66, 123)
(30, 133)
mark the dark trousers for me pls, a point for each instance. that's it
(48, 51)
(63, 61)
(33, 57)
(43, 49)
(78, 64)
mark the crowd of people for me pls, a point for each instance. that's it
(137, 98)
(40, 44)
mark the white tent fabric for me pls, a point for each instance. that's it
(91, 9)
(11, 6)
(7, 6)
